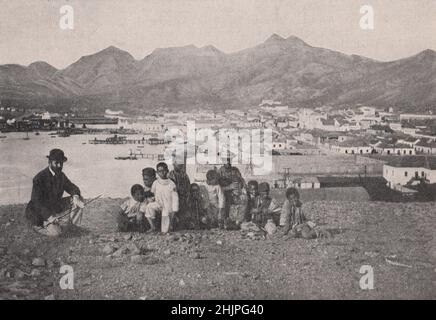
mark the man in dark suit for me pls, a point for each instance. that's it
(47, 204)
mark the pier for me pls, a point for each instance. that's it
(123, 140)
(139, 155)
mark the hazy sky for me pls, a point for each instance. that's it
(29, 29)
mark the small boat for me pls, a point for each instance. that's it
(83, 142)
(36, 133)
(126, 158)
(3, 137)
(53, 136)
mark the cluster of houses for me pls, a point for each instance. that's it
(361, 130)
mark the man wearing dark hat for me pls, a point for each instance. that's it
(46, 203)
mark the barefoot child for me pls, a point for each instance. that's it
(131, 214)
(183, 187)
(167, 199)
(149, 176)
(292, 218)
(238, 209)
(215, 202)
(197, 207)
(264, 207)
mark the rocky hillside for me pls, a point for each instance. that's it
(288, 69)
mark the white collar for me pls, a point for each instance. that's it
(51, 171)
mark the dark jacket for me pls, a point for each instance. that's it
(46, 199)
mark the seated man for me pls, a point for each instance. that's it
(47, 206)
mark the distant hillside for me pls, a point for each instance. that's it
(288, 70)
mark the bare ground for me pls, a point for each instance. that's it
(396, 239)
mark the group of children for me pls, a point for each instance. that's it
(169, 199)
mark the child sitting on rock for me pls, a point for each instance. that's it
(292, 219)
(131, 215)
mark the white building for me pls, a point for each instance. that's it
(401, 170)
(396, 126)
(352, 147)
(426, 147)
(414, 116)
(395, 149)
(113, 113)
(303, 182)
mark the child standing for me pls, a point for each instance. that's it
(149, 176)
(131, 214)
(238, 209)
(197, 207)
(167, 199)
(183, 186)
(215, 202)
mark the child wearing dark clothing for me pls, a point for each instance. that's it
(197, 207)
(292, 214)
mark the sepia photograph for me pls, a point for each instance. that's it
(221, 150)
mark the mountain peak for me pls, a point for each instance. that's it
(211, 50)
(427, 53)
(112, 50)
(43, 64)
(295, 40)
(274, 38)
(42, 68)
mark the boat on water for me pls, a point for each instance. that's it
(3, 137)
(36, 133)
(63, 135)
(126, 158)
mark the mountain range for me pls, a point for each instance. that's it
(285, 69)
